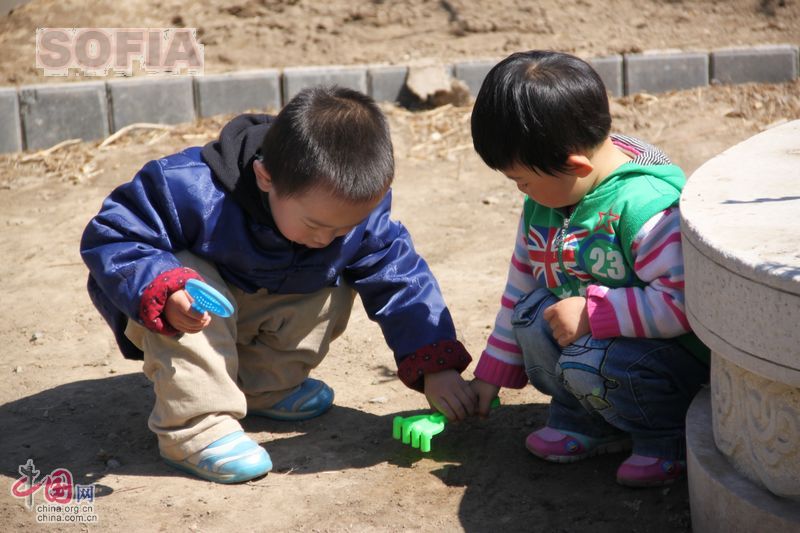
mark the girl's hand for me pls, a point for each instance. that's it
(180, 315)
(569, 319)
(486, 392)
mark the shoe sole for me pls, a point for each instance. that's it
(210, 476)
(601, 449)
(288, 416)
(644, 483)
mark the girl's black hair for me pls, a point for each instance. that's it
(535, 108)
(332, 138)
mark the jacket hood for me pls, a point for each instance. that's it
(231, 157)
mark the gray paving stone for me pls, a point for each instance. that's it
(296, 79)
(237, 92)
(473, 73)
(657, 72)
(10, 128)
(610, 70)
(764, 64)
(386, 82)
(56, 112)
(158, 100)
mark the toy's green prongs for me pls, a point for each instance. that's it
(418, 430)
(425, 444)
(397, 427)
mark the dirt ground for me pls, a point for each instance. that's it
(276, 33)
(70, 401)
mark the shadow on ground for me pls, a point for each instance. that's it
(94, 426)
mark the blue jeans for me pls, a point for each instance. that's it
(607, 387)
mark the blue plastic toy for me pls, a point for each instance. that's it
(207, 298)
(420, 429)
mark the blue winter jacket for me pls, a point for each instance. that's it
(206, 201)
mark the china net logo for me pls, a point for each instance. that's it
(64, 501)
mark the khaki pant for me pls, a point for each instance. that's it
(205, 382)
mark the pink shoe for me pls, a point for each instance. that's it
(644, 471)
(567, 447)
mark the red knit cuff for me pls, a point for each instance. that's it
(154, 298)
(435, 357)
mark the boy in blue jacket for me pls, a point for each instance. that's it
(288, 217)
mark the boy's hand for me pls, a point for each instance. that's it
(569, 319)
(448, 393)
(180, 315)
(486, 392)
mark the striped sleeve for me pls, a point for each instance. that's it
(657, 309)
(501, 362)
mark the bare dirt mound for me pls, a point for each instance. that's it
(277, 33)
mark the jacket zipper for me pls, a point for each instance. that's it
(562, 234)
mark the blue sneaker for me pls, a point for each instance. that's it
(311, 398)
(231, 459)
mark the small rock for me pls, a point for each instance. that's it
(37, 335)
(425, 80)
(490, 200)
(734, 113)
(379, 399)
(433, 85)
(17, 370)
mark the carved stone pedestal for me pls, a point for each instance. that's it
(741, 238)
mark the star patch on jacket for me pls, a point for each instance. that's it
(606, 218)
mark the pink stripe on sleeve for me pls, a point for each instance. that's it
(679, 314)
(633, 310)
(505, 346)
(525, 268)
(654, 254)
(667, 282)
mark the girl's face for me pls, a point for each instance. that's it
(550, 190)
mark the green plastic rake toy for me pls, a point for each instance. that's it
(418, 430)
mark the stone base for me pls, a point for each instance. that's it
(722, 500)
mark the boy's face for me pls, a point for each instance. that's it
(550, 190)
(315, 218)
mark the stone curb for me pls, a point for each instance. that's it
(39, 116)
(50, 114)
(161, 100)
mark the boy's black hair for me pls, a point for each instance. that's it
(331, 138)
(537, 107)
